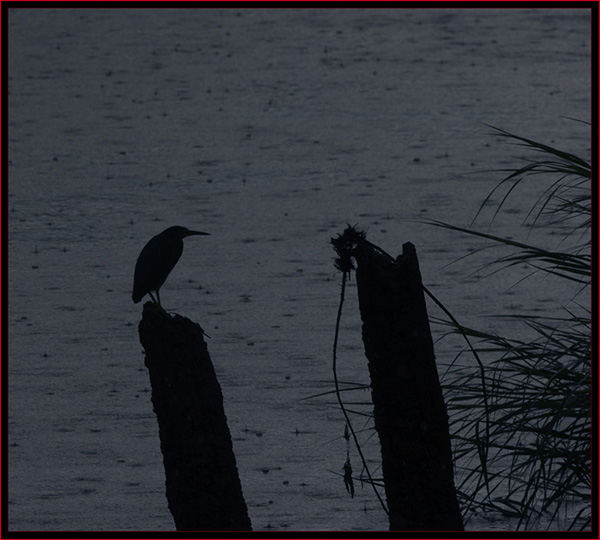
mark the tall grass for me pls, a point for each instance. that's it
(524, 448)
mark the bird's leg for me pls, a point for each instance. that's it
(154, 299)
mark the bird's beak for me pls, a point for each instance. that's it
(191, 233)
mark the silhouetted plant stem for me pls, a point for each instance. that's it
(339, 397)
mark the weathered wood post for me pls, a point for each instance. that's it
(409, 410)
(204, 492)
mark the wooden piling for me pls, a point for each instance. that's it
(409, 411)
(203, 488)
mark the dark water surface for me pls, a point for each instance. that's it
(270, 129)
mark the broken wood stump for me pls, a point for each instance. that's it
(203, 488)
(409, 411)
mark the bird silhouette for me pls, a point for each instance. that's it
(156, 261)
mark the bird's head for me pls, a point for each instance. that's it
(182, 232)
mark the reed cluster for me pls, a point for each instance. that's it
(522, 426)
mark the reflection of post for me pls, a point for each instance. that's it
(203, 487)
(409, 410)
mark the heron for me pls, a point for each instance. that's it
(156, 261)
